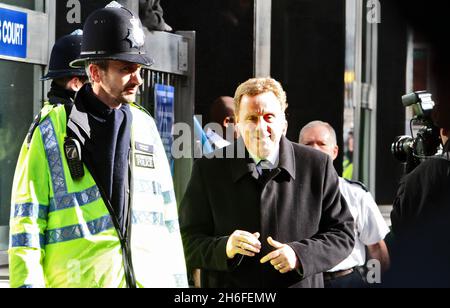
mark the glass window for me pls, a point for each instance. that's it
(16, 114)
(27, 4)
(349, 78)
(37, 5)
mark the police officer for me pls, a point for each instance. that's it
(370, 227)
(221, 112)
(93, 202)
(66, 80)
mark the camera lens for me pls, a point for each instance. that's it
(401, 147)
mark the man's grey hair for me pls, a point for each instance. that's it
(314, 124)
(103, 64)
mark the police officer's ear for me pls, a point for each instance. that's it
(285, 127)
(335, 151)
(75, 83)
(227, 121)
(96, 73)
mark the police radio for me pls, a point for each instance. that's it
(72, 149)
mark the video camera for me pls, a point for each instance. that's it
(412, 151)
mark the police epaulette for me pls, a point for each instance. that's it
(37, 120)
(364, 187)
(141, 109)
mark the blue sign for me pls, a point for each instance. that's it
(165, 117)
(13, 33)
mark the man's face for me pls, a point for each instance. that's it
(119, 83)
(350, 143)
(261, 123)
(319, 138)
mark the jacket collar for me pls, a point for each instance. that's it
(243, 166)
(78, 122)
(86, 104)
(287, 157)
(58, 95)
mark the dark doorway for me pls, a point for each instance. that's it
(224, 49)
(308, 58)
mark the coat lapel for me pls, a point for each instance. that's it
(241, 166)
(287, 157)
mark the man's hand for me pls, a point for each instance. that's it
(244, 243)
(283, 258)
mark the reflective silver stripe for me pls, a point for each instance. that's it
(62, 199)
(75, 199)
(154, 219)
(180, 280)
(27, 240)
(173, 226)
(145, 186)
(54, 157)
(31, 210)
(78, 231)
(169, 196)
(100, 52)
(103, 52)
(147, 218)
(157, 189)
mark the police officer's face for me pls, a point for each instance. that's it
(120, 82)
(319, 138)
(261, 123)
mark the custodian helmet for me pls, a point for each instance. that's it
(113, 33)
(66, 49)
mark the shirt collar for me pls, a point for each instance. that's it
(273, 158)
(284, 156)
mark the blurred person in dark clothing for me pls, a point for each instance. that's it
(421, 212)
(424, 193)
(151, 14)
(421, 257)
(222, 114)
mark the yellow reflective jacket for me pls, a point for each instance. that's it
(62, 234)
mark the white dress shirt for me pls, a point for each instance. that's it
(370, 227)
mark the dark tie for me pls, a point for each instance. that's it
(264, 167)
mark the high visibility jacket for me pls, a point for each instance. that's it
(62, 234)
(347, 173)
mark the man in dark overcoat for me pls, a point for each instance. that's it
(266, 212)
